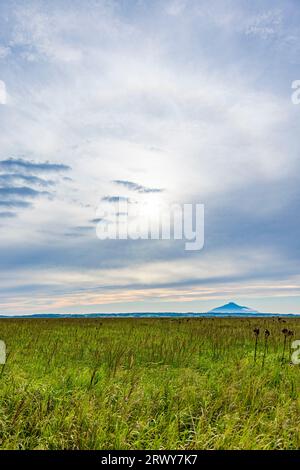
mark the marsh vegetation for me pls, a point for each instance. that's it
(149, 384)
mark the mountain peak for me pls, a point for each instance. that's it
(232, 307)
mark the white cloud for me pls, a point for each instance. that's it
(175, 7)
(4, 52)
(3, 95)
(265, 25)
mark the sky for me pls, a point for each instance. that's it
(176, 101)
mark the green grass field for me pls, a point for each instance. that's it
(148, 384)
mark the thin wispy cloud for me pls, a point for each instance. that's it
(7, 215)
(23, 191)
(17, 164)
(137, 187)
(96, 220)
(8, 179)
(15, 204)
(114, 199)
(79, 231)
(21, 182)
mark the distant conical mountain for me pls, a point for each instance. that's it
(232, 307)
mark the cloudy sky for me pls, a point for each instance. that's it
(187, 101)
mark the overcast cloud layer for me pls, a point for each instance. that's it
(181, 100)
